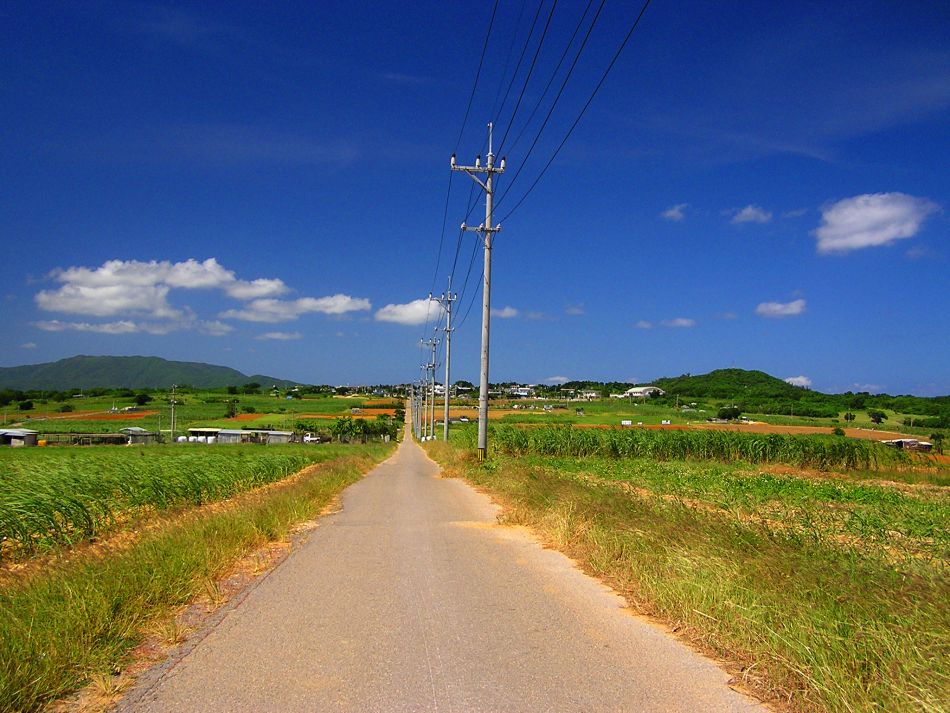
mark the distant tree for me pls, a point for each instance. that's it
(876, 416)
(25, 405)
(729, 413)
(937, 440)
(248, 409)
(400, 414)
(66, 408)
(232, 390)
(849, 416)
(142, 399)
(252, 388)
(231, 411)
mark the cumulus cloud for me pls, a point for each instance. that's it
(871, 219)
(138, 288)
(679, 322)
(505, 312)
(411, 313)
(643, 324)
(802, 381)
(279, 336)
(752, 214)
(28, 345)
(556, 380)
(781, 309)
(126, 326)
(675, 213)
(273, 310)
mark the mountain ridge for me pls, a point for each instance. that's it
(132, 372)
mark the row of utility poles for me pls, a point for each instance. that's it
(423, 397)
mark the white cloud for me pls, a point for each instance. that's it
(802, 381)
(676, 212)
(752, 214)
(127, 326)
(679, 322)
(108, 300)
(256, 289)
(411, 313)
(643, 324)
(279, 336)
(193, 275)
(574, 310)
(271, 310)
(122, 327)
(781, 309)
(505, 312)
(871, 219)
(137, 288)
(28, 345)
(556, 380)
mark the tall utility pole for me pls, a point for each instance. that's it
(433, 344)
(446, 301)
(424, 385)
(487, 231)
(174, 386)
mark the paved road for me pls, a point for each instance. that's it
(412, 599)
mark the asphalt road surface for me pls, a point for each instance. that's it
(412, 598)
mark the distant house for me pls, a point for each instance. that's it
(18, 437)
(640, 392)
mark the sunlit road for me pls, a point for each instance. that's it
(412, 599)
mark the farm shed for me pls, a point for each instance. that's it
(18, 437)
(138, 435)
(233, 435)
(279, 437)
(203, 432)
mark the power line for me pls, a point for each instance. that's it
(557, 98)
(590, 99)
(524, 86)
(557, 69)
(478, 73)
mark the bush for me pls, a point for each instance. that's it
(838, 431)
(729, 413)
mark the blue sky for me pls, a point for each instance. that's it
(758, 185)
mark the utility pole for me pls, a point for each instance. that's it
(446, 301)
(430, 390)
(424, 385)
(487, 231)
(174, 386)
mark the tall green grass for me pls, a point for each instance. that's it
(56, 496)
(818, 452)
(821, 594)
(79, 619)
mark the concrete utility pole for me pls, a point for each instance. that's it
(487, 231)
(430, 388)
(446, 301)
(174, 386)
(424, 385)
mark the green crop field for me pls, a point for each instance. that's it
(822, 591)
(56, 496)
(822, 452)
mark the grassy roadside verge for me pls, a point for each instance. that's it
(79, 619)
(757, 574)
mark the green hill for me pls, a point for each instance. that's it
(134, 372)
(730, 384)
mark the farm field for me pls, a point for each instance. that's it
(193, 409)
(102, 546)
(821, 589)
